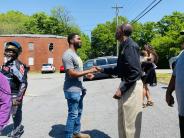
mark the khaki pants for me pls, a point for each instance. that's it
(130, 112)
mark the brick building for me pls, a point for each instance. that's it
(35, 49)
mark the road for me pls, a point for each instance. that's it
(45, 110)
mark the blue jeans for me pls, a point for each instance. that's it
(75, 107)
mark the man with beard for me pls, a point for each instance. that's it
(16, 72)
(73, 88)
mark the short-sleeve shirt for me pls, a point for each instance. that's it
(179, 83)
(72, 61)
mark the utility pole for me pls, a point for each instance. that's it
(117, 23)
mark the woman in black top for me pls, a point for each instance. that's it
(149, 59)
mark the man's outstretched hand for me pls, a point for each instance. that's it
(93, 70)
(90, 76)
(98, 69)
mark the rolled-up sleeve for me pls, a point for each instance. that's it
(67, 61)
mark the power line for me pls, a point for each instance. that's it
(147, 11)
(130, 6)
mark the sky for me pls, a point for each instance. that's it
(88, 13)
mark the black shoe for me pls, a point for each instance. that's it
(149, 103)
(116, 97)
(144, 105)
(17, 132)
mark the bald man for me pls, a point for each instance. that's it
(129, 93)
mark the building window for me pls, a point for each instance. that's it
(50, 60)
(51, 47)
(4, 45)
(31, 46)
(30, 61)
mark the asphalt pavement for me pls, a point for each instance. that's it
(45, 110)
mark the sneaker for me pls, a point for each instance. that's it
(81, 135)
(17, 132)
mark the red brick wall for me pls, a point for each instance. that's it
(40, 52)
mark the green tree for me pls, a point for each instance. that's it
(40, 23)
(170, 23)
(102, 39)
(59, 23)
(62, 14)
(84, 51)
(167, 41)
(65, 19)
(144, 33)
(12, 22)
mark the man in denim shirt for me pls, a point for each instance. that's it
(177, 83)
(73, 89)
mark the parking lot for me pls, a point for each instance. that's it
(45, 110)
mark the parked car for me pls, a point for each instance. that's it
(172, 62)
(61, 69)
(102, 62)
(48, 68)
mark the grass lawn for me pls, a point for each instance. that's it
(163, 77)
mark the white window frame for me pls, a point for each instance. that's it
(31, 46)
(51, 60)
(30, 61)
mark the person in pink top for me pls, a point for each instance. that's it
(5, 101)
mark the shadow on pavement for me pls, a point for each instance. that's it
(96, 134)
(58, 132)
